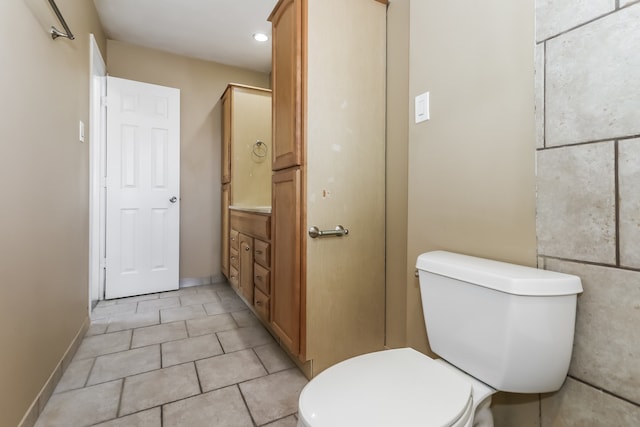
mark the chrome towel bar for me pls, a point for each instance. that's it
(339, 231)
(55, 33)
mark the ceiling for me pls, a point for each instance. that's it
(213, 30)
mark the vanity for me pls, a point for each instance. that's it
(250, 257)
(246, 195)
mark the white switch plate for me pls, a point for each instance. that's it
(422, 107)
(81, 131)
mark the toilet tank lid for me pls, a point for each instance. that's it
(501, 276)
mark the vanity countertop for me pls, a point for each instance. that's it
(254, 209)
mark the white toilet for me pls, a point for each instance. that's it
(496, 326)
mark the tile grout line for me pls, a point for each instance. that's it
(616, 201)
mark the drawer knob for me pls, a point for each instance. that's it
(247, 248)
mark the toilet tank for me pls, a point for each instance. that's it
(507, 325)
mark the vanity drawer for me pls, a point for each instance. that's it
(261, 278)
(233, 277)
(262, 253)
(233, 239)
(234, 259)
(261, 304)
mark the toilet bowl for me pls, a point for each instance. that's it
(399, 387)
(496, 327)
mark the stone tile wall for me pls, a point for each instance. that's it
(588, 207)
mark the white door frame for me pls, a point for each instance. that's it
(97, 147)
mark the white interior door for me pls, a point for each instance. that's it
(143, 186)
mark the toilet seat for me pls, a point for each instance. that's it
(394, 387)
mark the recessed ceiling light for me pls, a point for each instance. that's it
(260, 37)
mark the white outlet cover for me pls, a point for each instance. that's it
(422, 107)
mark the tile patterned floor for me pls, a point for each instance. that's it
(192, 357)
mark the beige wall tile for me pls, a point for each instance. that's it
(592, 81)
(607, 340)
(539, 97)
(579, 405)
(556, 16)
(629, 184)
(576, 203)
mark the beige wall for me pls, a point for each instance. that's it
(397, 163)
(471, 167)
(201, 84)
(44, 171)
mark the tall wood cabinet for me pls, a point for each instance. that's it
(246, 119)
(328, 161)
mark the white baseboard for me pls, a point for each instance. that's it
(36, 408)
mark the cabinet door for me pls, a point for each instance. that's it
(286, 257)
(224, 237)
(246, 267)
(287, 84)
(226, 136)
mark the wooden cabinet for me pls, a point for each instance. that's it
(287, 258)
(327, 295)
(246, 267)
(287, 83)
(250, 267)
(226, 136)
(234, 259)
(224, 233)
(246, 119)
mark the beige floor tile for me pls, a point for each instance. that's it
(190, 349)
(217, 287)
(211, 325)
(220, 408)
(124, 364)
(168, 315)
(273, 358)
(75, 376)
(132, 321)
(157, 304)
(178, 292)
(274, 396)
(136, 298)
(290, 421)
(198, 298)
(149, 418)
(98, 327)
(158, 334)
(228, 294)
(225, 305)
(245, 318)
(103, 344)
(103, 310)
(241, 338)
(221, 371)
(158, 387)
(82, 407)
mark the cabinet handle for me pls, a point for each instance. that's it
(259, 278)
(247, 248)
(258, 251)
(258, 303)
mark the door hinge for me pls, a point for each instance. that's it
(103, 181)
(103, 101)
(103, 263)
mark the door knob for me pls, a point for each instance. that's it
(173, 199)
